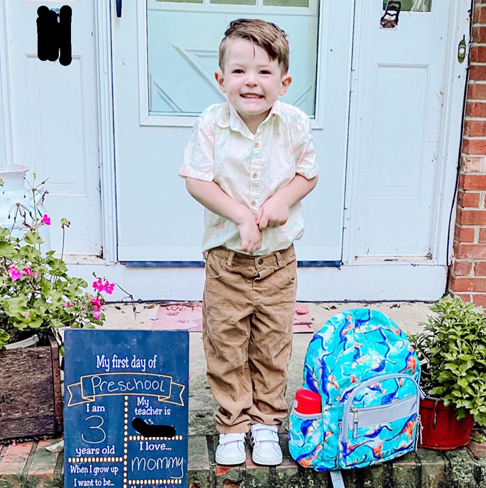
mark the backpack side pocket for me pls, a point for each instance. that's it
(305, 437)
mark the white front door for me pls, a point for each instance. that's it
(53, 123)
(399, 155)
(164, 57)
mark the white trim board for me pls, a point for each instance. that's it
(106, 136)
(370, 282)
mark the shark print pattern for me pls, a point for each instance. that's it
(367, 373)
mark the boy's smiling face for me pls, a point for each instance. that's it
(252, 81)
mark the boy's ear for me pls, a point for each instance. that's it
(286, 80)
(218, 74)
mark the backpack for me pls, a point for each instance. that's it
(367, 375)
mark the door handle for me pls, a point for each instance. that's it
(118, 8)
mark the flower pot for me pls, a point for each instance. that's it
(30, 392)
(440, 427)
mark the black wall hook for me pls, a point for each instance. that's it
(53, 36)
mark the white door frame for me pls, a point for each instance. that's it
(107, 130)
(6, 142)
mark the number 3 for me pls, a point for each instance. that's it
(95, 427)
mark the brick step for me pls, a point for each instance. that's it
(30, 465)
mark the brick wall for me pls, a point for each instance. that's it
(468, 269)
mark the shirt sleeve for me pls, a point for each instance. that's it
(304, 151)
(199, 152)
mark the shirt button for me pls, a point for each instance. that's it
(257, 144)
(260, 261)
(255, 175)
(253, 203)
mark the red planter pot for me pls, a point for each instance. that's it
(441, 429)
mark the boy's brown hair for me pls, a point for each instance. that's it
(267, 35)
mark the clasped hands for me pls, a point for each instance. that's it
(273, 213)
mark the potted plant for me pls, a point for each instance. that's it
(452, 353)
(37, 299)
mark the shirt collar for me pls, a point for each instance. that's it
(229, 117)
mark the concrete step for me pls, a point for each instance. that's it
(30, 465)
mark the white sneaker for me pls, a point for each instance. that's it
(266, 449)
(231, 449)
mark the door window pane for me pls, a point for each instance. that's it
(413, 5)
(287, 3)
(182, 50)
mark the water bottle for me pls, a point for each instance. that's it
(307, 402)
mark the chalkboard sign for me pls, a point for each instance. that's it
(125, 408)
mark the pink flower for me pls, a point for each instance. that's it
(14, 273)
(96, 303)
(106, 286)
(109, 287)
(69, 304)
(36, 274)
(46, 220)
(98, 285)
(97, 314)
(28, 271)
(25, 314)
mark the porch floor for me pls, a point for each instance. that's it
(30, 465)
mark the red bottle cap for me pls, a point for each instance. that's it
(307, 402)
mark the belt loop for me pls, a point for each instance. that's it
(230, 258)
(279, 259)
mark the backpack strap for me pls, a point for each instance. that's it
(337, 479)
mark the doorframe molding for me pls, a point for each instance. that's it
(455, 84)
(5, 101)
(103, 13)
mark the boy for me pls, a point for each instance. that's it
(249, 162)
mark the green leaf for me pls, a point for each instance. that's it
(465, 366)
(439, 390)
(13, 306)
(4, 337)
(33, 237)
(56, 324)
(445, 376)
(34, 322)
(29, 253)
(7, 250)
(4, 232)
(58, 267)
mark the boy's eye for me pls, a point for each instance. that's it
(238, 71)
(265, 72)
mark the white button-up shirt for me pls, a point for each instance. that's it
(250, 168)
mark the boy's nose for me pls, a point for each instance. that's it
(250, 80)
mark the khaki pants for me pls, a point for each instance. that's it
(248, 308)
